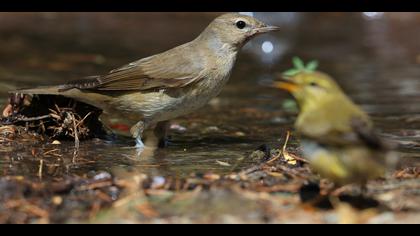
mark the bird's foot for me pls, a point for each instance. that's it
(139, 144)
(139, 148)
(164, 143)
(144, 151)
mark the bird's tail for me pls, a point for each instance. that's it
(45, 90)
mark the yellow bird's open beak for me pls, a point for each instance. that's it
(288, 86)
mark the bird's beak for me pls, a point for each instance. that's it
(288, 86)
(266, 29)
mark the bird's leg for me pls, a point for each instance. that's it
(137, 133)
(161, 132)
(139, 143)
(155, 135)
(363, 189)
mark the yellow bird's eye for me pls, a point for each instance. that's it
(313, 84)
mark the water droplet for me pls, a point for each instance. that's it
(267, 47)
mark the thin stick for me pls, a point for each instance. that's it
(289, 158)
(50, 151)
(283, 149)
(76, 139)
(84, 118)
(274, 158)
(26, 119)
(41, 164)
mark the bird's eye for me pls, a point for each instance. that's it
(313, 84)
(240, 24)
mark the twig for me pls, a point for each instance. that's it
(251, 170)
(29, 119)
(274, 158)
(37, 211)
(41, 164)
(50, 151)
(284, 151)
(290, 171)
(84, 118)
(289, 158)
(2, 140)
(57, 107)
(76, 139)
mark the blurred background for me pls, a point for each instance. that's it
(375, 56)
(45, 48)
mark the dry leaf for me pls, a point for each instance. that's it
(222, 163)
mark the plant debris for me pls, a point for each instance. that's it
(55, 117)
(272, 191)
(25, 201)
(269, 190)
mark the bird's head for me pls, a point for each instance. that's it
(235, 29)
(308, 86)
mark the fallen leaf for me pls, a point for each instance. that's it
(222, 163)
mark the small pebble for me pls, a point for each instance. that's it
(211, 129)
(211, 177)
(240, 134)
(178, 128)
(56, 142)
(102, 176)
(57, 200)
(158, 182)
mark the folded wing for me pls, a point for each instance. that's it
(168, 70)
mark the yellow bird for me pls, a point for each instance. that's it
(337, 136)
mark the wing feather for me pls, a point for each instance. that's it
(350, 126)
(165, 70)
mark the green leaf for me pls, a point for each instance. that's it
(291, 72)
(299, 67)
(298, 63)
(312, 65)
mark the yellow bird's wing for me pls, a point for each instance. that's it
(338, 121)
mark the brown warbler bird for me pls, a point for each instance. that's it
(149, 92)
(337, 136)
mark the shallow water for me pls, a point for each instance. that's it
(374, 57)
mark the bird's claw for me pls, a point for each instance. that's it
(139, 143)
